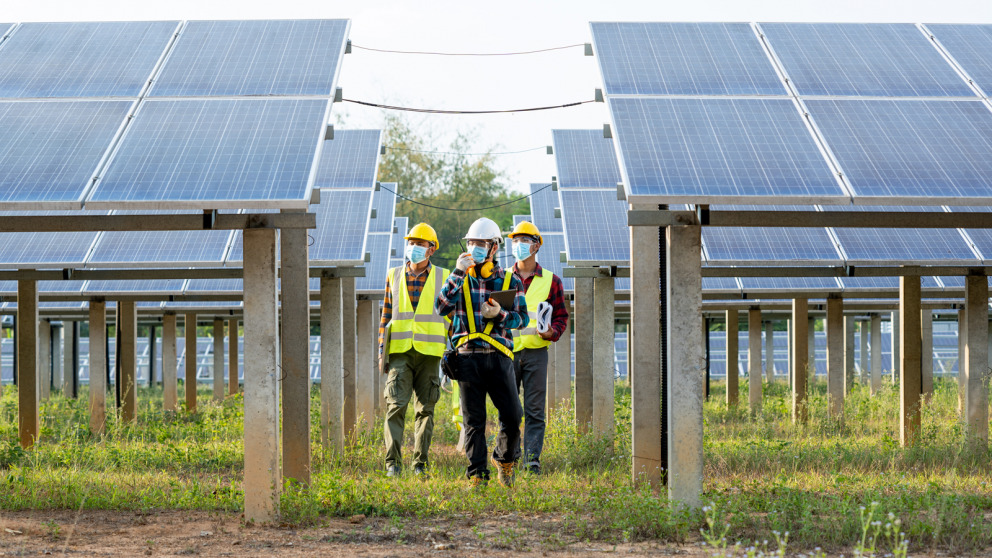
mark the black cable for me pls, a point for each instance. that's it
(353, 45)
(398, 195)
(473, 154)
(442, 111)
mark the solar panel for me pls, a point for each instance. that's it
(876, 59)
(45, 249)
(517, 219)
(683, 59)
(397, 245)
(882, 283)
(721, 151)
(218, 286)
(342, 224)
(350, 160)
(720, 284)
(49, 151)
(201, 154)
(912, 150)
(744, 245)
(904, 246)
(543, 201)
(136, 248)
(585, 158)
(9, 288)
(285, 57)
(374, 281)
(595, 224)
(384, 204)
(157, 286)
(817, 284)
(92, 59)
(969, 45)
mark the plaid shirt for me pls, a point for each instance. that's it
(451, 303)
(556, 298)
(414, 286)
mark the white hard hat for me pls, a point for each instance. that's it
(484, 229)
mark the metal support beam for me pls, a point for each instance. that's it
(754, 359)
(129, 362)
(976, 401)
(218, 371)
(827, 218)
(604, 354)
(295, 355)
(331, 381)
(835, 357)
(733, 387)
(584, 320)
(170, 362)
(800, 338)
(191, 349)
(29, 425)
(644, 367)
(98, 366)
(911, 384)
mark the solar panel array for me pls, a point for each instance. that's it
(350, 160)
(234, 118)
(585, 159)
(800, 113)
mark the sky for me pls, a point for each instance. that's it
(497, 82)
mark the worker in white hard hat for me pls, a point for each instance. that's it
(482, 361)
(548, 322)
(412, 339)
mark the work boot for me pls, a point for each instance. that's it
(478, 483)
(420, 472)
(504, 472)
(533, 467)
(392, 471)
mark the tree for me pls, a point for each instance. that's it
(446, 185)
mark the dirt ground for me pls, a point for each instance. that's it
(180, 533)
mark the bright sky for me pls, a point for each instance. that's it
(481, 83)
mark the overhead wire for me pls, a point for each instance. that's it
(353, 45)
(416, 202)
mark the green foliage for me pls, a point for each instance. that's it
(452, 181)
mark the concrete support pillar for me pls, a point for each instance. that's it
(218, 359)
(911, 383)
(800, 337)
(57, 357)
(976, 400)
(685, 366)
(584, 320)
(835, 356)
(789, 351)
(152, 341)
(170, 362)
(98, 366)
(604, 355)
(770, 351)
(876, 353)
(331, 381)
(262, 476)
(865, 366)
(70, 344)
(563, 360)
(29, 424)
(896, 351)
(348, 357)
(962, 344)
(232, 356)
(129, 361)
(44, 359)
(848, 353)
(733, 388)
(295, 354)
(754, 359)
(550, 397)
(644, 367)
(926, 354)
(811, 341)
(380, 379)
(191, 362)
(365, 370)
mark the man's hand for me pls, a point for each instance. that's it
(490, 309)
(464, 262)
(546, 335)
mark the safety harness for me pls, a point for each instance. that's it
(473, 332)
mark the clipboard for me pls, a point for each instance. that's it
(504, 298)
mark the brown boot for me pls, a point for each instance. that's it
(505, 472)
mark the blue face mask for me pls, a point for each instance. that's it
(416, 254)
(479, 254)
(521, 251)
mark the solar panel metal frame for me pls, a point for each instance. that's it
(978, 73)
(327, 195)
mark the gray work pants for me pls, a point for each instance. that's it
(531, 367)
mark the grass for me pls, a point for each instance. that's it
(765, 479)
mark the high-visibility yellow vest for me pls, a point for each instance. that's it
(537, 292)
(421, 329)
(484, 334)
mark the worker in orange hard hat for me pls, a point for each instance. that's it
(412, 339)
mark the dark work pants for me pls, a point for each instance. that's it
(491, 374)
(531, 366)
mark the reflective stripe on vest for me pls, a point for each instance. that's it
(421, 329)
(484, 334)
(537, 292)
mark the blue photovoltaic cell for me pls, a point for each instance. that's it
(350, 160)
(766, 244)
(857, 59)
(374, 281)
(398, 244)
(210, 153)
(933, 150)
(92, 59)
(517, 219)
(721, 150)
(342, 224)
(45, 249)
(226, 286)
(882, 283)
(384, 204)
(982, 238)
(870, 246)
(714, 284)
(585, 159)
(49, 151)
(820, 284)
(969, 45)
(683, 59)
(9, 288)
(194, 248)
(157, 286)
(543, 201)
(285, 57)
(595, 225)
(953, 283)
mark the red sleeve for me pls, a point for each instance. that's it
(559, 313)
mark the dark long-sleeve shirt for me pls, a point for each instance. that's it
(451, 303)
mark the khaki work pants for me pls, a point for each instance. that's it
(411, 374)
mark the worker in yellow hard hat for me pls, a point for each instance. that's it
(548, 315)
(412, 339)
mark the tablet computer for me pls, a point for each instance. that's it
(504, 298)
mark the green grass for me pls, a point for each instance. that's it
(763, 474)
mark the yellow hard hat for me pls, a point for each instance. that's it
(423, 231)
(527, 228)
